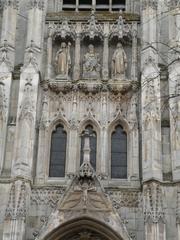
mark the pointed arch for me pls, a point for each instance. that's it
(86, 224)
(118, 148)
(94, 128)
(58, 152)
(58, 142)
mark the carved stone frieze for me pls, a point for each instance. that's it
(47, 196)
(120, 199)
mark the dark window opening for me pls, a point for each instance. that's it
(85, 5)
(69, 5)
(58, 152)
(118, 5)
(102, 5)
(119, 153)
(93, 146)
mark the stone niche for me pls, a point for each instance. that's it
(63, 58)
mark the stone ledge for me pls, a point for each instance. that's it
(84, 16)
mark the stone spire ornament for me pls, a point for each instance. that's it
(86, 170)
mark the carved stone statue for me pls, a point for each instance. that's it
(91, 64)
(119, 63)
(63, 61)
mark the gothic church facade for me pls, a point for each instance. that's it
(89, 119)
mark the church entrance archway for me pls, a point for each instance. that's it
(83, 229)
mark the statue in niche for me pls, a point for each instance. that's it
(91, 64)
(119, 63)
(63, 61)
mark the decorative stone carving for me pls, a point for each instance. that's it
(124, 198)
(120, 29)
(153, 203)
(92, 29)
(3, 102)
(63, 61)
(30, 57)
(119, 63)
(27, 106)
(37, 4)
(4, 50)
(46, 196)
(16, 206)
(11, 3)
(149, 3)
(91, 64)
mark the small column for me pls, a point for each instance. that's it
(134, 52)
(43, 140)
(105, 71)
(178, 216)
(49, 53)
(103, 172)
(73, 136)
(77, 55)
(7, 53)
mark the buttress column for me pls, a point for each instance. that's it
(174, 89)
(7, 52)
(28, 95)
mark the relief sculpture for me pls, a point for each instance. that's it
(91, 64)
(63, 61)
(119, 63)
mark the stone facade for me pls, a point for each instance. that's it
(102, 68)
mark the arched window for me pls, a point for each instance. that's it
(93, 146)
(58, 152)
(119, 153)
